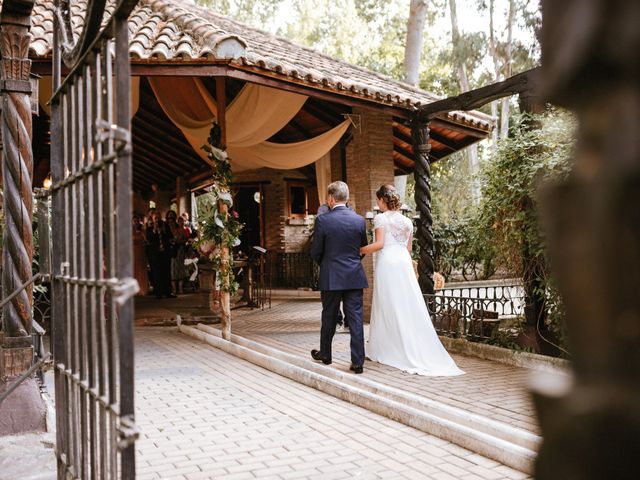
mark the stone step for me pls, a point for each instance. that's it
(508, 445)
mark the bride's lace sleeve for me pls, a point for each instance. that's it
(378, 221)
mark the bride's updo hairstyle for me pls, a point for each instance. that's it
(389, 195)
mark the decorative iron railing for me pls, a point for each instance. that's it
(474, 312)
(295, 270)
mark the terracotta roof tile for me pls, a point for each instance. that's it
(179, 30)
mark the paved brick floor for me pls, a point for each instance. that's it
(491, 389)
(207, 414)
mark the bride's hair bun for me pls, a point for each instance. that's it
(389, 195)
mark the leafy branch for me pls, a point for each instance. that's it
(220, 229)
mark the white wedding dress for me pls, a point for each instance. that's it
(401, 333)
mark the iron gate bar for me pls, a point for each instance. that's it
(92, 270)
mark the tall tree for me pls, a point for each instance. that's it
(413, 44)
(508, 70)
(463, 79)
(458, 48)
(493, 50)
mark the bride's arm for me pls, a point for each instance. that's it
(410, 243)
(377, 245)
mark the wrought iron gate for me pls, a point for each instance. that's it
(92, 311)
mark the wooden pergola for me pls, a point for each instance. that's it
(181, 39)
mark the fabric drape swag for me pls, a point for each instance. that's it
(323, 175)
(256, 114)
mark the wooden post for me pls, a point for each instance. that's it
(17, 173)
(181, 195)
(590, 420)
(422, 175)
(225, 269)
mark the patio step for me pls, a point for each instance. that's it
(503, 443)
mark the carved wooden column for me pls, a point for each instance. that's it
(591, 421)
(17, 173)
(422, 175)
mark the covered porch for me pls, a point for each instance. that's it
(191, 66)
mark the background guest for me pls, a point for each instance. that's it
(140, 255)
(159, 239)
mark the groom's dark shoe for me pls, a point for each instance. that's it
(356, 368)
(316, 355)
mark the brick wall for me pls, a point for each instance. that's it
(336, 166)
(277, 232)
(369, 165)
(297, 234)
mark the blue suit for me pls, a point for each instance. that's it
(336, 244)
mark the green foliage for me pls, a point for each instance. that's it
(219, 229)
(530, 156)
(460, 245)
(508, 215)
(508, 338)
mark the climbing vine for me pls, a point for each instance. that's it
(219, 226)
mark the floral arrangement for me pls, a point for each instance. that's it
(219, 228)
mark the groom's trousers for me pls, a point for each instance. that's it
(352, 304)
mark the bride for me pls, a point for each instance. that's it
(401, 333)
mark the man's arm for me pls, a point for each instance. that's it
(363, 233)
(317, 243)
(364, 241)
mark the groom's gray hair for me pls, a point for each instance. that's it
(339, 191)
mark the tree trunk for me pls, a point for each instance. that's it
(463, 80)
(504, 116)
(413, 46)
(455, 39)
(496, 69)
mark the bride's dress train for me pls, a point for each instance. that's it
(401, 333)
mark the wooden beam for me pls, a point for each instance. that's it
(401, 169)
(316, 111)
(523, 82)
(406, 162)
(161, 157)
(145, 164)
(404, 133)
(165, 130)
(221, 104)
(160, 144)
(303, 131)
(403, 151)
(150, 68)
(465, 130)
(158, 161)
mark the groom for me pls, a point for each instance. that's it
(337, 239)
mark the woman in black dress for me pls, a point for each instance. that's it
(159, 239)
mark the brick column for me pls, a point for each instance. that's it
(369, 165)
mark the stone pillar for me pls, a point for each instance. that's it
(17, 176)
(369, 165)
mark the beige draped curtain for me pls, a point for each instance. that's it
(323, 175)
(256, 114)
(44, 94)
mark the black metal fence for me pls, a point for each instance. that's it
(474, 312)
(294, 270)
(91, 277)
